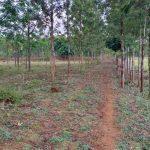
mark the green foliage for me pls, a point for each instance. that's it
(33, 84)
(27, 147)
(122, 145)
(5, 135)
(83, 146)
(61, 46)
(55, 140)
(134, 116)
(89, 89)
(11, 95)
(85, 128)
(66, 135)
(114, 44)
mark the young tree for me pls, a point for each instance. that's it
(50, 9)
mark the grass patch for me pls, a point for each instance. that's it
(66, 135)
(33, 84)
(134, 120)
(10, 95)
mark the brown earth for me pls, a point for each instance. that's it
(103, 135)
(107, 132)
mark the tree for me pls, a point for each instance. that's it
(20, 17)
(49, 9)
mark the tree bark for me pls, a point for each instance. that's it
(142, 56)
(142, 65)
(132, 66)
(149, 62)
(29, 49)
(127, 61)
(68, 35)
(139, 59)
(122, 48)
(53, 57)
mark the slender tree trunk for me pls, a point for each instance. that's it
(132, 66)
(142, 65)
(139, 59)
(122, 48)
(29, 50)
(142, 56)
(15, 61)
(149, 62)
(26, 59)
(68, 35)
(127, 61)
(149, 50)
(53, 56)
(18, 58)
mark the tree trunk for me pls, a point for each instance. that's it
(18, 58)
(142, 65)
(142, 56)
(29, 50)
(149, 51)
(122, 48)
(139, 60)
(132, 74)
(149, 62)
(127, 61)
(68, 36)
(53, 57)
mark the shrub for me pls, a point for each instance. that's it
(10, 95)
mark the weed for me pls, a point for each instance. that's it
(89, 89)
(55, 140)
(5, 135)
(27, 147)
(10, 95)
(123, 145)
(85, 128)
(66, 135)
(33, 83)
(83, 146)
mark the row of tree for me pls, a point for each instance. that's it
(128, 21)
(25, 21)
(85, 26)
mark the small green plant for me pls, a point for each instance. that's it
(89, 89)
(33, 83)
(10, 95)
(85, 128)
(27, 147)
(57, 139)
(66, 136)
(122, 145)
(83, 146)
(5, 135)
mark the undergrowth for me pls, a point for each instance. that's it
(10, 95)
(134, 116)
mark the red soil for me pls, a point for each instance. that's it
(106, 131)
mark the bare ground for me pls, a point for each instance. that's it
(107, 131)
(104, 133)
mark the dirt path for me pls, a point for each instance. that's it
(106, 131)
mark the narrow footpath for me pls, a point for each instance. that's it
(107, 131)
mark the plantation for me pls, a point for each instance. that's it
(74, 75)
